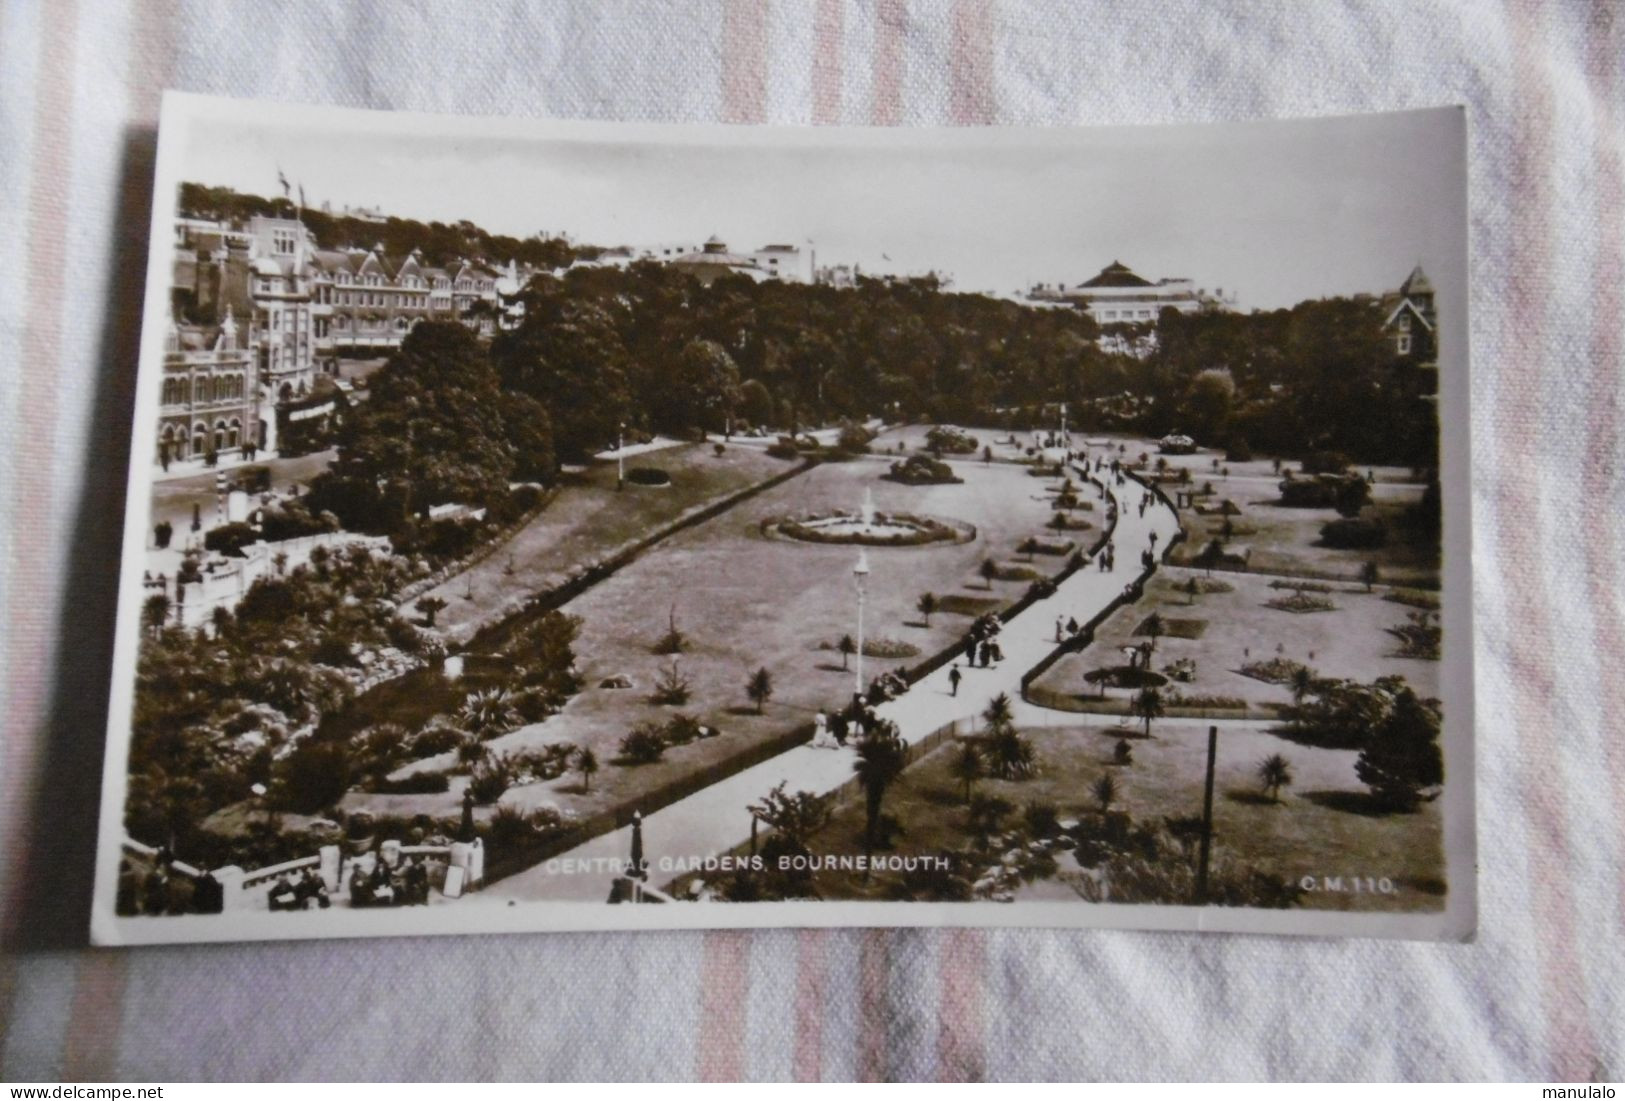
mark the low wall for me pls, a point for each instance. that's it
(495, 635)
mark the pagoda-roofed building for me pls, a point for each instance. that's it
(1118, 295)
(713, 260)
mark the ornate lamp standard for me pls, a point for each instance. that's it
(860, 574)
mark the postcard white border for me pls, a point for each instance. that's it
(1457, 921)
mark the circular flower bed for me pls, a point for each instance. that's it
(895, 529)
(648, 476)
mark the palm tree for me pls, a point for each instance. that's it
(1010, 756)
(1153, 628)
(1105, 792)
(760, 688)
(488, 713)
(985, 813)
(1148, 705)
(926, 605)
(881, 757)
(1303, 683)
(998, 714)
(847, 648)
(586, 764)
(1275, 773)
(967, 767)
(989, 571)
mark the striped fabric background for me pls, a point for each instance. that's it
(1542, 992)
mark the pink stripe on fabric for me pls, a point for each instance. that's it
(874, 1016)
(90, 1049)
(886, 92)
(723, 989)
(828, 33)
(1570, 1041)
(1604, 50)
(962, 1025)
(971, 67)
(30, 619)
(744, 61)
(807, 1063)
(8, 1002)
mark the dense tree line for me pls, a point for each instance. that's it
(651, 348)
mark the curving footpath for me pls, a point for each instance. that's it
(714, 820)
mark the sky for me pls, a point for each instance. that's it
(1273, 212)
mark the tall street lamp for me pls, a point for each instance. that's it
(860, 574)
(620, 456)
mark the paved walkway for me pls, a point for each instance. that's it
(714, 819)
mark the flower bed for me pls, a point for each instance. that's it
(1301, 603)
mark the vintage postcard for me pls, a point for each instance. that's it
(541, 525)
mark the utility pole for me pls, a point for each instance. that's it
(1207, 818)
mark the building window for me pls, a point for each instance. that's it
(1405, 323)
(1404, 344)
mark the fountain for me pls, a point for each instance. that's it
(870, 527)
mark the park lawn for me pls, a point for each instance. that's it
(1323, 825)
(1286, 540)
(587, 522)
(746, 601)
(1350, 642)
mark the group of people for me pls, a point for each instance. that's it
(834, 731)
(982, 642)
(304, 891)
(164, 889)
(407, 885)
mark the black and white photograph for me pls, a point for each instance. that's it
(542, 525)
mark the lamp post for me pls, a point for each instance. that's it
(620, 457)
(860, 574)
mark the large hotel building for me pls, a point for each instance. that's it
(259, 317)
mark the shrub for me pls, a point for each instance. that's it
(1309, 493)
(1042, 819)
(230, 539)
(335, 652)
(643, 744)
(489, 778)
(784, 448)
(437, 737)
(1326, 462)
(414, 783)
(681, 729)
(314, 776)
(855, 438)
(1238, 451)
(672, 688)
(648, 476)
(918, 470)
(951, 440)
(1353, 533)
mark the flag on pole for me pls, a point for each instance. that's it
(283, 181)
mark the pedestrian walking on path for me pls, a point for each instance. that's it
(954, 677)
